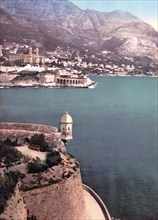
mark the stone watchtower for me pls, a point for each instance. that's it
(66, 127)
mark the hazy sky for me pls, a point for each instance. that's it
(147, 10)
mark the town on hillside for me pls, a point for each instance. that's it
(32, 65)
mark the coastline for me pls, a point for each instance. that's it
(126, 75)
(44, 85)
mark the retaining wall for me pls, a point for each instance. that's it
(64, 200)
(99, 201)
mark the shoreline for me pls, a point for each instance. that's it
(37, 86)
(48, 86)
(137, 75)
(23, 85)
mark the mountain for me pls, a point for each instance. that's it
(14, 28)
(62, 21)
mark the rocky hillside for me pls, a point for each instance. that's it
(58, 21)
(16, 29)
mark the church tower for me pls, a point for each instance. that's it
(66, 127)
(37, 56)
(1, 53)
(30, 55)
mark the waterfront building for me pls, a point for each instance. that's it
(26, 58)
(66, 78)
(71, 80)
(48, 78)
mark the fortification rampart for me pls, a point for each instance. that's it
(21, 131)
(28, 127)
(64, 200)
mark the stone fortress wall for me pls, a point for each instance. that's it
(60, 201)
(20, 131)
(16, 207)
(29, 127)
(56, 201)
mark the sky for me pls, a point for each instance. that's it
(147, 10)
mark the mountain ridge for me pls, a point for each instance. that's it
(66, 22)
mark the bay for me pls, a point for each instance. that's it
(115, 136)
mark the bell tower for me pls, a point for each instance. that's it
(37, 56)
(66, 123)
(30, 55)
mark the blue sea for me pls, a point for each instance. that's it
(115, 136)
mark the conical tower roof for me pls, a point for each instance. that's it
(66, 118)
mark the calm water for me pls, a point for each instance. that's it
(115, 136)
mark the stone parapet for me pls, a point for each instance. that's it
(21, 131)
(28, 127)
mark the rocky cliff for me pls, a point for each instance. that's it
(62, 21)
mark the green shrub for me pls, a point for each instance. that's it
(53, 158)
(7, 142)
(38, 139)
(36, 166)
(9, 154)
(10, 143)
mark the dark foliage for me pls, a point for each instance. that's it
(25, 77)
(10, 143)
(9, 154)
(7, 142)
(38, 139)
(53, 158)
(36, 166)
(32, 218)
(7, 186)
